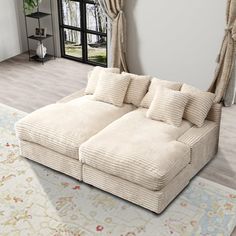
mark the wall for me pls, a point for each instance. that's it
(175, 40)
(10, 35)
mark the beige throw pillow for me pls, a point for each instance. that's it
(199, 104)
(137, 88)
(146, 102)
(111, 88)
(93, 77)
(168, 106)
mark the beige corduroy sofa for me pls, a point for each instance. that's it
(118, 149)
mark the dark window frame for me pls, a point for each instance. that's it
(83, 32)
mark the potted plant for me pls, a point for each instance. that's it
(31, 5)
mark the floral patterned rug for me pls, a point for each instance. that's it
(35, 200)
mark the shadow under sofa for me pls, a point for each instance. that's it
(201, 143)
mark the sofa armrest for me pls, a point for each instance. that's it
(215, 113)
(72, 96)
(203, 143)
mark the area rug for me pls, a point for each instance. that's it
(35, 200)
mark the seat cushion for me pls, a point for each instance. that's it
(138, 149)
(64, 127)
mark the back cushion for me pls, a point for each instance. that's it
(146, 102)
(94, 75)
(199, 104)
(168, 106)
(111, 88)
(137, 88)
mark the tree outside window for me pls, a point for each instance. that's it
(83, 28)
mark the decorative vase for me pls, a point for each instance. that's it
(41, 51)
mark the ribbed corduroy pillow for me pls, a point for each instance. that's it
(137, 88)
(93, 77)
(199, 104)
(168, 106)
(146, 102)
(111, 88)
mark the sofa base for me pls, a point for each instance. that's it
(155, 201)
(51, 159)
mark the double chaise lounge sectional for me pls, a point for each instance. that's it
(123, 136)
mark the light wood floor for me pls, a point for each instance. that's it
(28, 86)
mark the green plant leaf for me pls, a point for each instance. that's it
(30, 5)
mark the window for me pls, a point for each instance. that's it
(83, 30)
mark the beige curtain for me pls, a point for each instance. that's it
(114, 10)
(226, 58)
(229, 96)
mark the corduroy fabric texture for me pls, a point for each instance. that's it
(146, 102)
(203, 148)
(137, 88)
(198, 106)
(63, 127)
(202, 142)
(155, 201)
(138, 149)
(112, 88)
(51, 159)
(168, 106)
(194, 136)
(94, 75)
(215, 113)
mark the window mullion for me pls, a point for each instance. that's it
(83, 27)
(88, 54)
